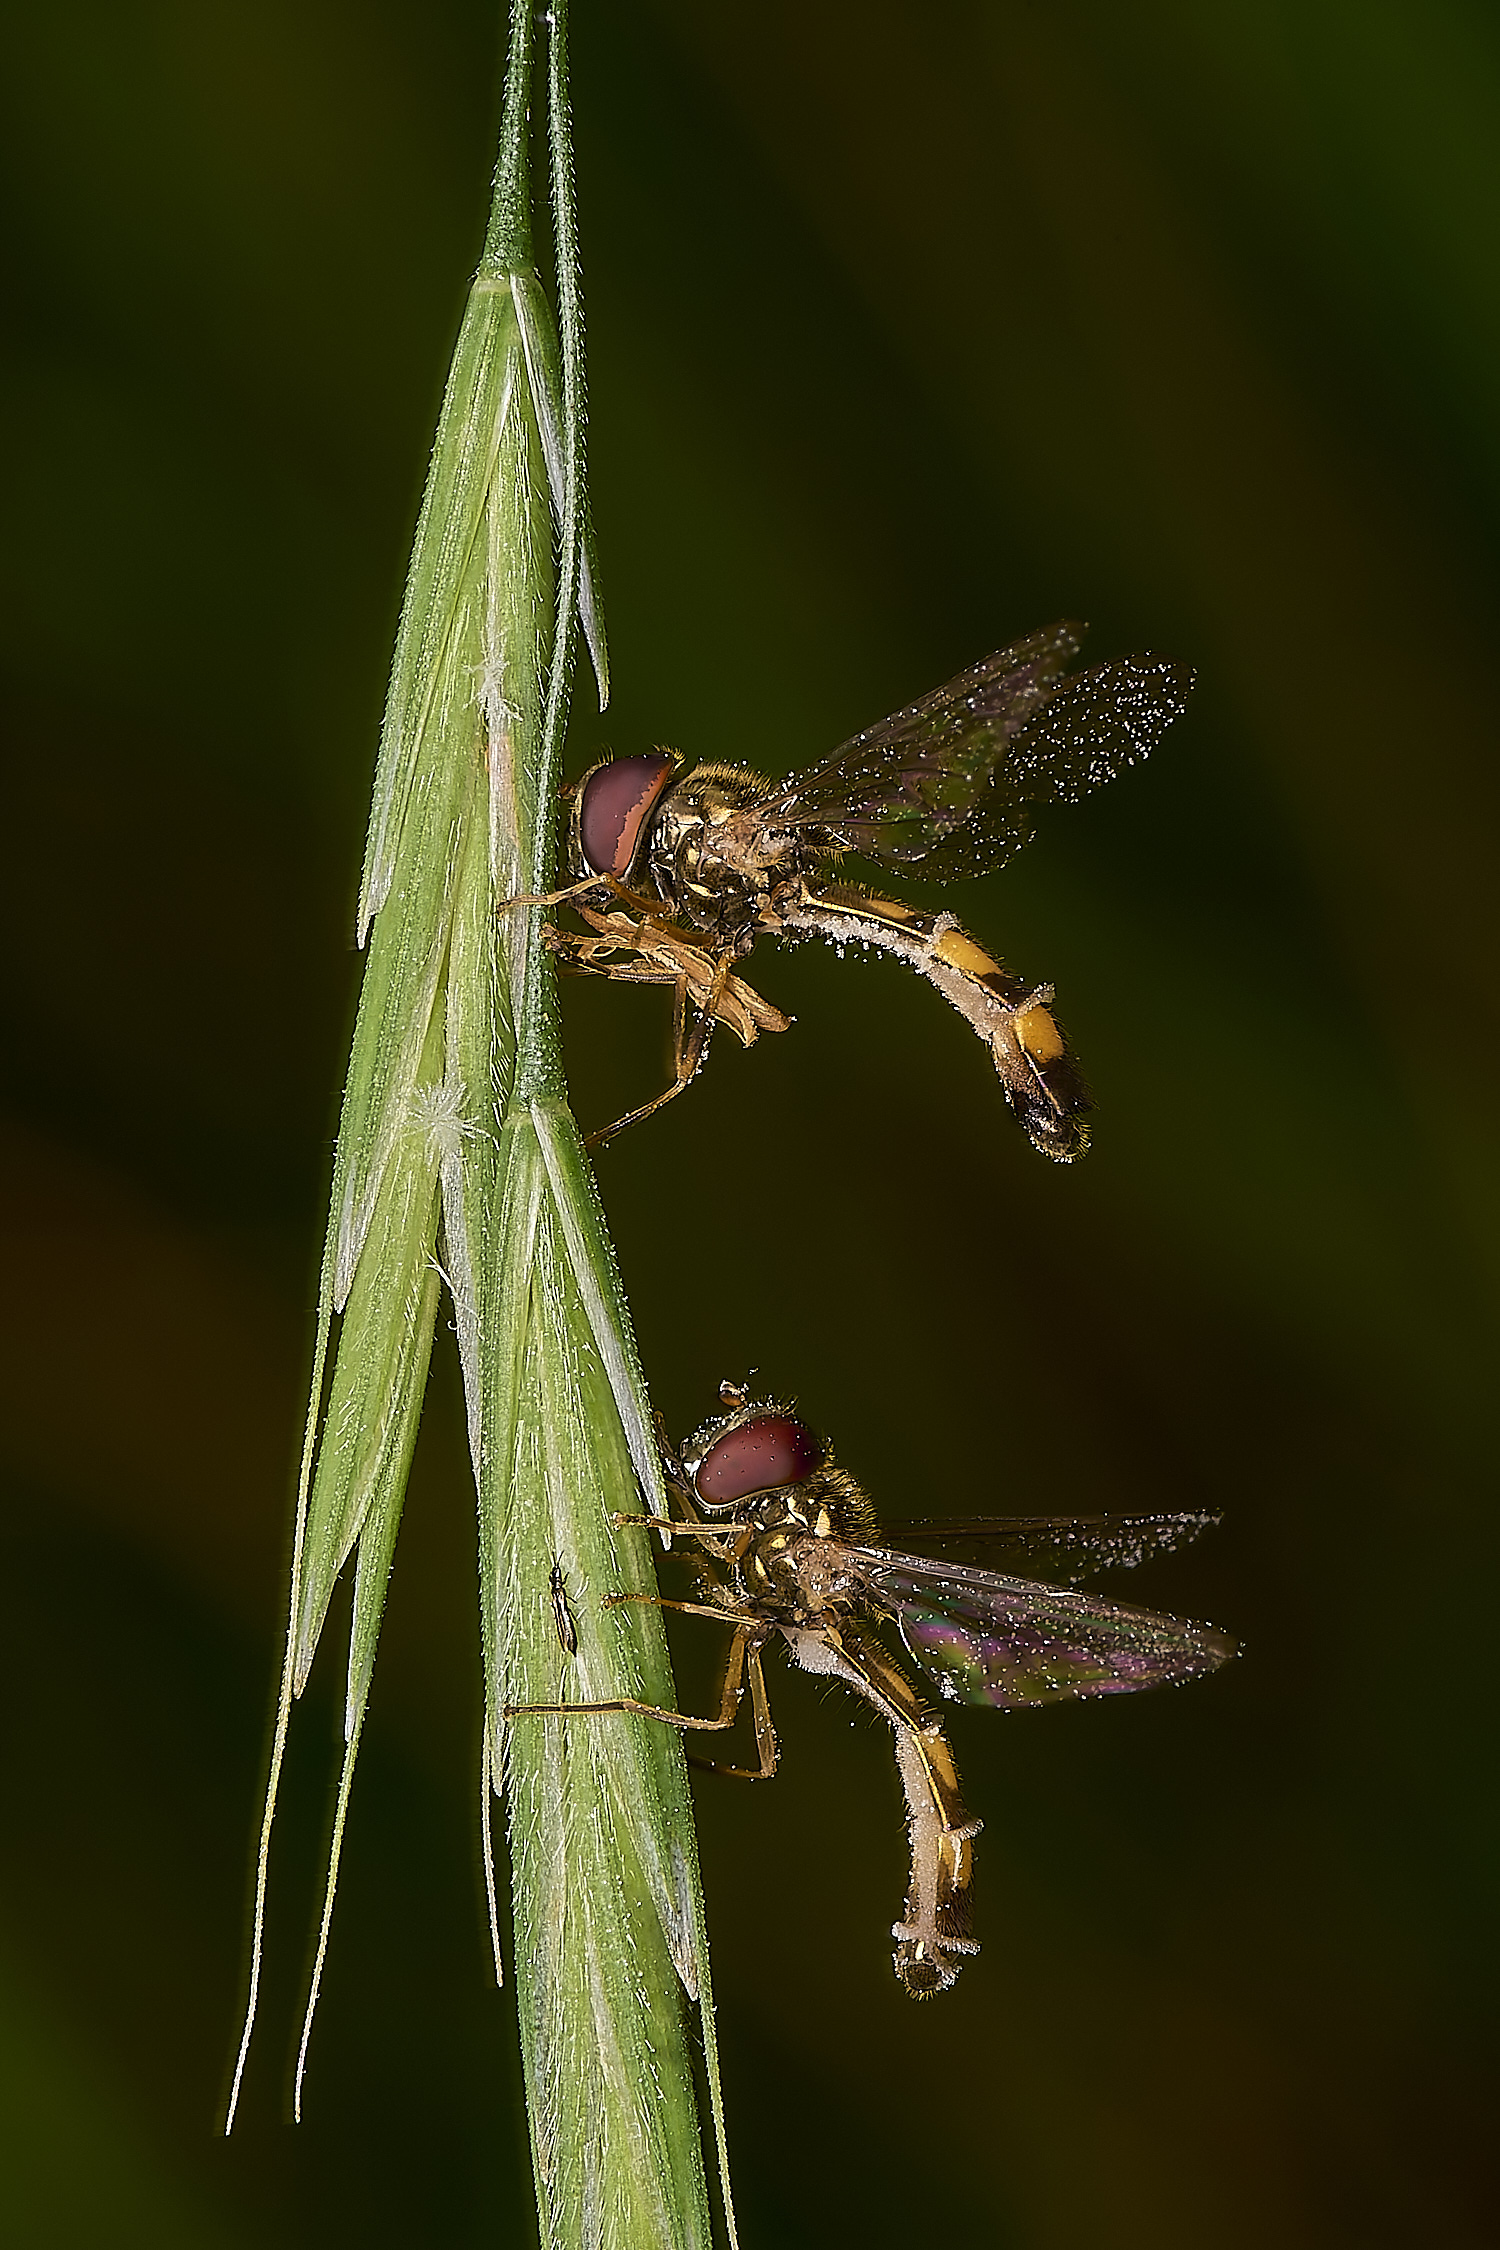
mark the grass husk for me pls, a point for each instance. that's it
(459, 1164)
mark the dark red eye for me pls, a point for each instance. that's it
(760, 1455)
(617, 802)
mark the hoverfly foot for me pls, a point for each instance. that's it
(547, 898)
(926, 1946)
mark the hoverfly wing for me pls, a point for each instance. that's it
(1011, 1644)
(1088, 729)
(1065, 1547)
(948, 786)
(897, 790)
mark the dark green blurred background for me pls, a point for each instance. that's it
(911, 329)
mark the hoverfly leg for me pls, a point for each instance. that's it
(657, 1601)
(548, 898)
(690, 1052)
(734, 1672)
(590, 882)
(576, 953)
(635, 1116)
(680, 1530)
(584, 955)
(767, 1746)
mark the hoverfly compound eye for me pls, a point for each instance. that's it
(759, 1456)
(618, 800)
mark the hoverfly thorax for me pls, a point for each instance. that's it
(715, 870)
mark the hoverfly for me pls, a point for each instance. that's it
(677, 873)
(787, 1546)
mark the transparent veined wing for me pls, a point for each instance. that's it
(893, 791)
(947, 786)
(1012, 1644)
(1091, 728)
(1053, 1546)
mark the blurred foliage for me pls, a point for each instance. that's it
(1180, 318)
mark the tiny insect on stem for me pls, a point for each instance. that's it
(562, 1613)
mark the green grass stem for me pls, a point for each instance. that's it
(458, 1161)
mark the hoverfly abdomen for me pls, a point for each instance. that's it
(1038, 1037)
(1052, 1107)
(932, 1937)
(1031, 1056)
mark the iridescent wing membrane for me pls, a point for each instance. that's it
(1011, 1643)
(947, 786)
